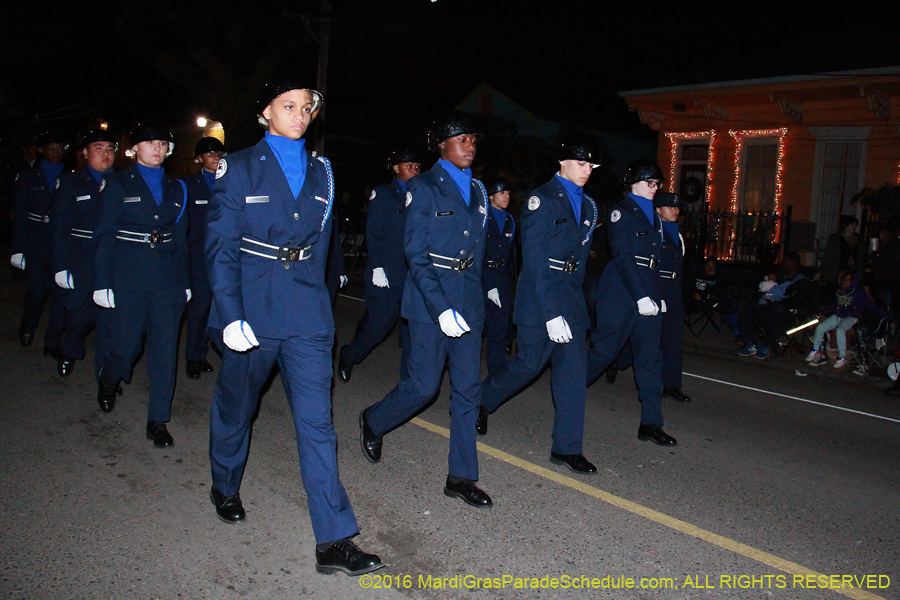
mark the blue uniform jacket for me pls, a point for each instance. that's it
(439, 222)
(72, 217)
(198, 204)
(550, 237)
(671, 262)
(127, 208)
(31, 210)
(632, 240)
(252, 200)
(500, 249)
(385, 228)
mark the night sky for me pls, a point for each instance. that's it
(395, 64)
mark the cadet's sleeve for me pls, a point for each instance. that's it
(620, 234)
(224, 227)
(421, 269)
(535, 231)
(105, 233)
(20, 217)
(61, 208)
(375, 221)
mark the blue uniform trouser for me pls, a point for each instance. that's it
(496, 333)
(616, 323)
(39, 284)
(197, 343)
(102, 331)
(670, 344)
(157, 314)
(428, 353)
(306, 370)
(79, 307)
(535, 351)
(382, 313)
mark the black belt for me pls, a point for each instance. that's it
(668, 274)
(38, 218)
(566, 266)
(454, 264)
(82, 233)
(144, 238)
(275, 252)
(643, 261)
(496, 264)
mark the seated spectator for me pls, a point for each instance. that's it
(849, 303)
(707, 290)
(768, 287)
(772, 314)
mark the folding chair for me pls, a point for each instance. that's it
(794, 333)
(871, 343)
(704, 318)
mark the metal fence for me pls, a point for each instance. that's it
(740, 237)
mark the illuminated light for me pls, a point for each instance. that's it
(201, 121)
(673, 159)
(804, 326)
(104, 125)
(214, 129)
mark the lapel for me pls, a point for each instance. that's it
(399, 194)
(269, 169)
(309, 184)
(587, 217)
(448, 187)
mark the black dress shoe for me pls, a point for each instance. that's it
(655, 434)
(106, 397)
(345, 556)
(65, 366)
(345, 369)
(611, 372)
(481, 423)
(229, 509)
(676, 394)
(26, 337)
(51, 352)
(509, 348)
(576, 462)
(468, 492)
(156, 431)
(370, 443)
(192, 369)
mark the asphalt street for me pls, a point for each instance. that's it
(765, 496)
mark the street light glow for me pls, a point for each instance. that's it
(201, 121)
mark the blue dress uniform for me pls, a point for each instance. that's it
(73, 214)
(385, 227)
(635, 243)
(141, 254)
(499, 267)
(445, 244)
(266, 252)
(196, 345)
(555, 247)
(32, 238)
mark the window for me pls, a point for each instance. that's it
(759, 173)
(840, 180)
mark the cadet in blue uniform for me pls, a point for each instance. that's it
(386, 267)
(557, 225)
(31, 244)
(72, 218)
(670, 273)
(208, 151)
(447, 211)
(267, 242)
(629, 297)
(496, 279)
(142, 274)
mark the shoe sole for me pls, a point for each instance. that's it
(451, 494)
(362, 442)
(557, 461)
(326, 570)
(644, 438)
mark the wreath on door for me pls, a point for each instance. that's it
(692, 190)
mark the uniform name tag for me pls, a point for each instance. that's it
(201, 201)
(640, 233)
(132, 199)
(444, 213)
(558, 221)
(80, 198)
(257, 199)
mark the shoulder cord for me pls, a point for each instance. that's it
(330, 203)
(484, 194)
(593, 221)
(184, 203)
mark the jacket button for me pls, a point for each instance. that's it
(466, 233)
(654, 244)
(462, 252)
(290, 242)
(153, 245)
(287, 267)
(156, 217)
(296, 217)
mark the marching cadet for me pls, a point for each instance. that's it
(31, 245)
(447, 213)
(142, 273)
(208, 151)
(72, 218)
(267, 243)
(386, 267)
(629, 297)
(550, 312)
(499, 267)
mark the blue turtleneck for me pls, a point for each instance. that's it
(461, 177)
(576, 195)
(291, 155)
(403, 185)
(209, 178)
(671, 227)
(153, 177)
(51, 172)
(645, 204)
(98, 175)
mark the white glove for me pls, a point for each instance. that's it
(559, 331)
(104, 298)
(188, 294)
(64, 280)
(494, 296)
(647, 307)
(663, 307)
(239, 337)
(379, 278)
(452, 323)
(18, 261)
(344, 280)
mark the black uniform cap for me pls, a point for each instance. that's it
(280, 86)
(497, 184)
(579, 148)
(405, 155)
(643, 170)
(208, 144)
(662, 199)
(450, 125)
(148, 133)
(99, 135)
(52, 137)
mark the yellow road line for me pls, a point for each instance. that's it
(656, 516)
